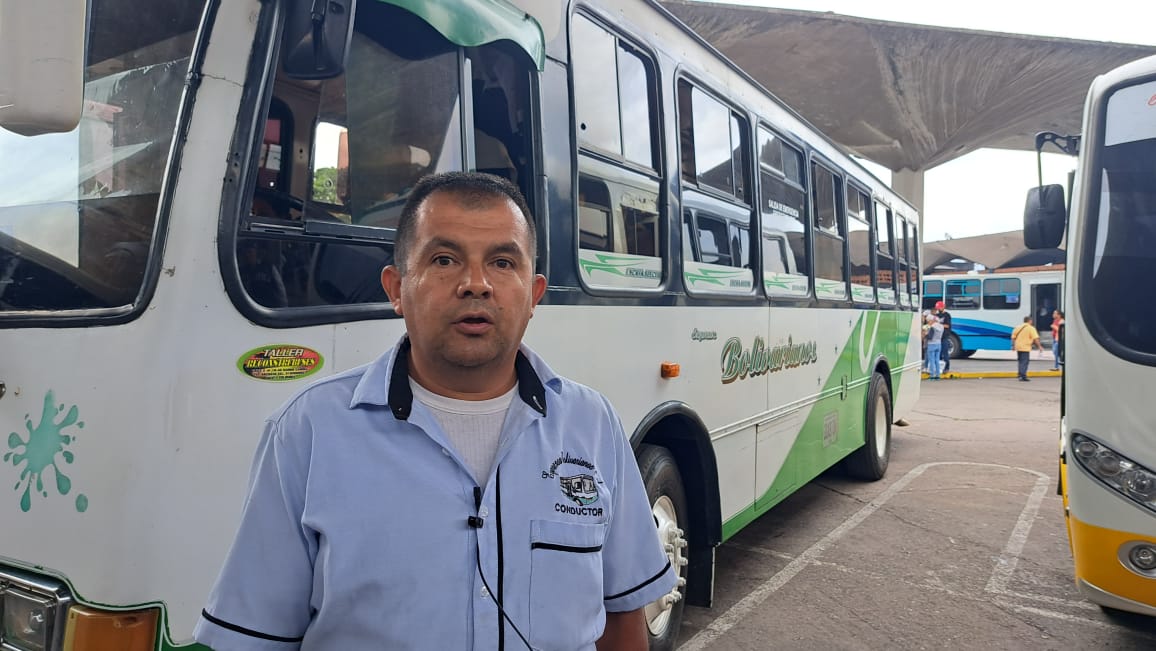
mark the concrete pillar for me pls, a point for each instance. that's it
(909, 184)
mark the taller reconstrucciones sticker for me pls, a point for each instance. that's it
(280, 362)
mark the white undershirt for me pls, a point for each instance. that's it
(474, 427)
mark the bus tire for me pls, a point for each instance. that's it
(667, 497)
(869, 463)
(954, 348)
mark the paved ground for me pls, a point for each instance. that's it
(961, 546)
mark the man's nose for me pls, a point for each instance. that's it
(475, 283)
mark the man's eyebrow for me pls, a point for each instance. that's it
(508, 248)
(442, 243)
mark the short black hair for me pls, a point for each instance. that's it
(472, 190)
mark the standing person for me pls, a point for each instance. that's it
(934, 343)
(923, 340)
(944, 317)
(1057, 322)
(456, 493)
(1023, 338)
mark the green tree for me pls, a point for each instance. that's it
(325, 185)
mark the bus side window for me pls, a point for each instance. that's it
(859, 249)
(830, 230)
(884, 255)
(932, 293)
(962, 294)
(619, 179)
(783, 212)
(501, 97)
(713, 241)
(1002, 294)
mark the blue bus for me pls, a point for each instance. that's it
(986, 306)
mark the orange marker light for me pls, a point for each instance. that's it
(670, 370)
(90, 628)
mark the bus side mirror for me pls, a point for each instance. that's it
(42, 65)
(1045, 216)
(316, 38)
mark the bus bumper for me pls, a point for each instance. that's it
(1103, 576)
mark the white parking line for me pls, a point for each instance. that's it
(737, 612)
(1006, 563)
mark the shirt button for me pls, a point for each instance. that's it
(485, 592)
(484, 512)
(445, 452)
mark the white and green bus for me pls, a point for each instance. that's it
(1108, 418)
(201, 234)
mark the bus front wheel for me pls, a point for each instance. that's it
(869, 462)
(668, 504)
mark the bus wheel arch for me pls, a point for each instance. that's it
(675, 427)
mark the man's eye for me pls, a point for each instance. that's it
(503, 263)
(443, 261)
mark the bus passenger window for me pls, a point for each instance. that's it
(713, 242)
(830, 271)
(963, 294)
(783, 204)
(616, 119)
(620, 220)
(713, 151)
(884, 255)
(1000, 294)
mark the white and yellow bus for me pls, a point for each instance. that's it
(201, 234)
(1108, 420)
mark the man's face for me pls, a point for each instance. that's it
(469, 289)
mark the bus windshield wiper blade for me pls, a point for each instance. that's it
(317, 229)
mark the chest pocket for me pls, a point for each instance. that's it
(565, 584)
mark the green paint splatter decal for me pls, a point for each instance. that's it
(39, 451)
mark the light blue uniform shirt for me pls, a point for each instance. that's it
(357, 530)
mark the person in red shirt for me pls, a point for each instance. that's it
(944, 317)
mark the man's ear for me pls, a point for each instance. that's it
(391, 283)
(538, 291)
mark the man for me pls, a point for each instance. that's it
(1023, 338)
(455, 493)
(944, 317)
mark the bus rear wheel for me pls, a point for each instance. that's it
(668, 504)
(954, 348)
(869, 462)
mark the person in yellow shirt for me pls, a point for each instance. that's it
(1023, 338)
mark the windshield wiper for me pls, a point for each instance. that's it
(317, 230)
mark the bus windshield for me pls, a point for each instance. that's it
(78, 209)
(1123, 225)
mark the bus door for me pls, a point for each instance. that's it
(1045, 300)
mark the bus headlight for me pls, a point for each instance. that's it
(1127, 477)
(1143, 557)
(30, 618)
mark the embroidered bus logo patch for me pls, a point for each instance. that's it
(580, 489)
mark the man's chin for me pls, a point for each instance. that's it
(471, 359)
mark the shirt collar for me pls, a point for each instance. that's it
(386, 381)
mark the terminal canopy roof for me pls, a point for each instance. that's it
(909, 96)
(994, 251)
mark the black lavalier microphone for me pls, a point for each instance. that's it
(476, 521)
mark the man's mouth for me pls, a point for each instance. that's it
(473, 324)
